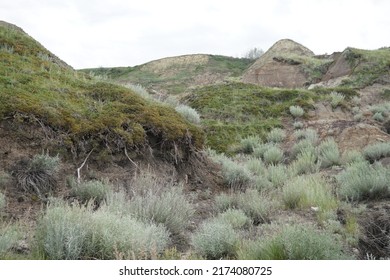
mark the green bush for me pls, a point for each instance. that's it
(303, 146)
(276, 135)
(298, 125)
(256, 166)
(235, 175)
(234, 217)
(273, 155)
(9, 237)
(336, 98)
(251, 202)
(111, 236)
(259, 151)
(378, 116)
(308, 134)
(301, 242)
(37, 175)
(170, 208)
(352, 156)
(248, 144)
(79, 232)
(140, 90)
(215, 240)
(328, 153)
(91, 190)
(190, 114)
(296, 111)
(255, 205)
(62, 232)
(360, 181)
(377, 151)
(277, 174)
(308, 191)
(306, 162)
(224, 201)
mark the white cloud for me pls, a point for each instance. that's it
(119, 32)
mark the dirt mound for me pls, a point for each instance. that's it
(279, 66)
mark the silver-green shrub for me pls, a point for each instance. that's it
(273, 155)
(91, 190)
(377, 151)
(294, 242)
(10, 234)
(235, 217)
(336, 99)
(296, 111)
(248, 144)
(328, 153)
(276, 135)
(169, 208)
(215, 240)
(360, 181)
(190, 114)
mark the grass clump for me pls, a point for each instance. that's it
(360, 181)
(276, 135)
(235, 175)
(273, 155)
(234, 217)
(301, 242)
(215, 240)
(308, 191)
(352, 156)
(297, 125)
(277, 175)
(169, 208)
(306, 161)
(378, 116)
(336, 98)
(91, 190)
(377, 151)
(308, 134)
(248, 144)
(190, 114)
(10, 234)
(251, 202)
(296, 111)
(37, 175)
(111, 236)
(328, 153)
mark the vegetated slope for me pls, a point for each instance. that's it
(71, 112)
(359, 68)
(236, 110)
(175, 75)
(287, 64)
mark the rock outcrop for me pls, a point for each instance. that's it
(278, 66)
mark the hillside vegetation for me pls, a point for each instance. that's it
(177, 74)
(184, 161)
(36, 87)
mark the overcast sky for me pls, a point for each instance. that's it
(98, 33)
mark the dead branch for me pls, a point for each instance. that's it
(82, 165)
(130, 159)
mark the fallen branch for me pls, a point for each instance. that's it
(82, 165)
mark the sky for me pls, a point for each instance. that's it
(108, 33)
